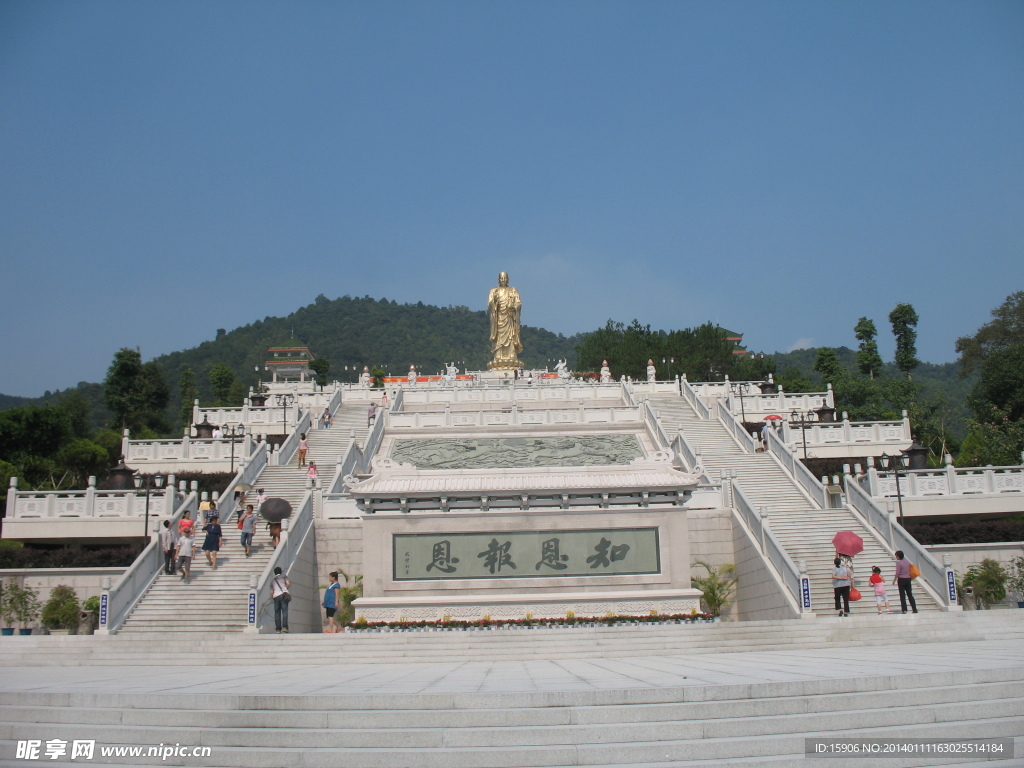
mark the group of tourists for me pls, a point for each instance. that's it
(903, 579)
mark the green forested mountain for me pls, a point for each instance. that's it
(352, 332)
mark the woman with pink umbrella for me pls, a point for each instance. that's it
(847, 544)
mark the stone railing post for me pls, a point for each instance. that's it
(763, 511)
(195, 411)
(252, 607)
(805, 587)
(890, 514)
(104, 617)
(12, 497)
(125, 435)
(947, 562)
(186, 442)
(90, 497)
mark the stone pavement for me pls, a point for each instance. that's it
(336, 678)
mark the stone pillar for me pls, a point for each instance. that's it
(102, 627)
(253, 607)
(805, 589)
(947, 562)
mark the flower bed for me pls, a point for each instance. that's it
(448, 625)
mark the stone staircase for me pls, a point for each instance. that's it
(526, 645)
(803, 529)
(291, 702)
(215, 601)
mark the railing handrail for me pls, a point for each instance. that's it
(135, 581)
(284, 556)
(797, 470)
(772, 550)
(933, 574)
(690, 395)
(732, 424)
(291, 444)
(654, 425)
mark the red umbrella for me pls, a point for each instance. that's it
(773, 416)
(848, 543)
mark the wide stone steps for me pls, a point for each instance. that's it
(517, 644)
(695, 725)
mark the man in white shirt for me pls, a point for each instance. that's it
(184, 554)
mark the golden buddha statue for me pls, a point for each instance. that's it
(503, 305)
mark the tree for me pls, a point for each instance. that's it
(79, 459)
(320, 366)
(189, 394)
(868, 359)
(904, 327)
(996, 353)
(1005, 329)
(988, 580)
(828, 365)
(135, 393)
(221, 378)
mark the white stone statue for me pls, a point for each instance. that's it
(364, 377)
(562, 369)
(606, 373)
(412, 375)
(651, 371)
(450, 372)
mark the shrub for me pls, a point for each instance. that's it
(718, 586)
(988, 579)
(61, 610)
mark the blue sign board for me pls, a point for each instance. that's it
(805, 591)
(951, 584)
(103, 609)
(252, 607)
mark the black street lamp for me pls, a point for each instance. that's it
(284, 400)
(158, 481)
(737, 389)
(803, 418)
(895, 464)
(233, 434)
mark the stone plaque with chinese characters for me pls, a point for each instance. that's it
(526, 554)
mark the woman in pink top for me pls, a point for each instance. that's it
(186, 523)
(303, 449)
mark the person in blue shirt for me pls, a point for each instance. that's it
(332, 602)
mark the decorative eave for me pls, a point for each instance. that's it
(402, 487)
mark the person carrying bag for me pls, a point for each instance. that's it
(279, 592)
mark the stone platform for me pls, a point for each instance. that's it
(729, 694)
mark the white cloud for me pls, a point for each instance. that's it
(801, 344)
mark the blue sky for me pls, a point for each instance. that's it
(781, 168)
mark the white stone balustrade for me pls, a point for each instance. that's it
(271, 418)
(514, 416)
(89, 513)
(949, 491)
(756, 406)
(842, 439)
(525, 394)
(189, 454)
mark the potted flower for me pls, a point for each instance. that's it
(26, 606)
(61, 611)
(718, 586)
(90, 615)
